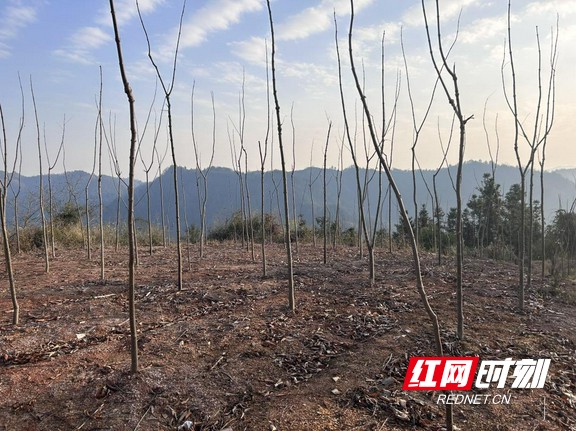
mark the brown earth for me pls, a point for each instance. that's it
(225, 354)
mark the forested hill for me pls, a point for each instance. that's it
(224, 192)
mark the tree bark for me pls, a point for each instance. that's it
(131, 234)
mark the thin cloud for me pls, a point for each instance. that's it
(4, 50)
(563, 8)
(231, 72)
(91, 37)
(126, 11)
(13, 19)
(252, 50)
(449, 10)
(484, 29)
(215, 16)
(302, 25)
(316, 19)
(316, 76)
(82, 43)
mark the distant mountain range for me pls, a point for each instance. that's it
(224, 192)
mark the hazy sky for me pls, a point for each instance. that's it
(62, 43)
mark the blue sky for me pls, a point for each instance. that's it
(62, 43)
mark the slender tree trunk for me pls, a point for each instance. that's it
(87, 190)
(50, 194)
(245, 239)
(294, 212)
(16, 223)
(416, 258)
(250, 221)
(19, 158)
(87, 215)
(338, 194)
(287, 239)
(100, 199)
(263, 155)
(186, 225)
(5, 238)
(162, 217)
(51, 215)
(117, 230)
(438, 221)
(454, 101)
(361, 191)
(203, 199)
(131, 233)
(542, 219)
(262, 213)
(325, 224)
(459, 236)
(148, 213)
(176, 197)
(167, 93)
(41, 186)
(530, 226)
(8, 258)
(313, 214)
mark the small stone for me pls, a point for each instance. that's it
(388, 381)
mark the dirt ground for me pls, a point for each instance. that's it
(225, 354)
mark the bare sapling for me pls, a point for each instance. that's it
(263, 152)
(16, 191)
(161, 187)
(310, 190)
(550, 104)
(147, 167)
(381, 157)
(131, 233)
(365, 227)
(415, 255)
(287, 237)
(339, 173)
(115, 167)
(249, 206)
(236, 157)
(292, 172)
(4, 184)
(541, 129)
(51, 166)
(388, 128)
(436, 201)
(41, 185)
(325, 194)
(416, 133)
(167, 93)
(100, 199)
(275, 192)
(453, 95)
(87, 207)
(203, 173)
(186, 224)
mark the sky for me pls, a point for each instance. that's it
(60, 46)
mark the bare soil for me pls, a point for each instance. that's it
(226, 354)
